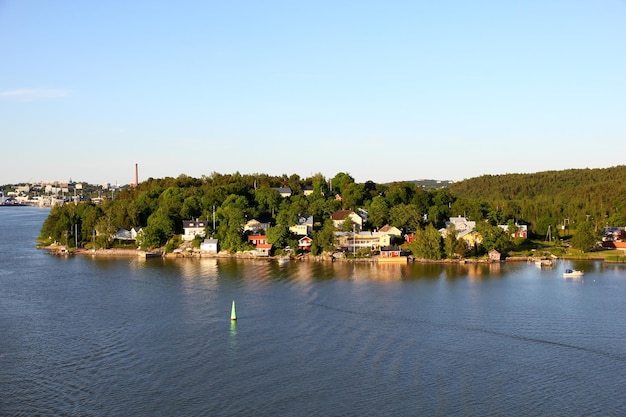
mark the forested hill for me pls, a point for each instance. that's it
(572, 194)
(567, 182)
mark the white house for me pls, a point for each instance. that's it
(209, 245)
(340, 216)
(303, 227)
(193, 228)
(256, 226)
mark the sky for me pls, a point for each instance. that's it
(382, 90)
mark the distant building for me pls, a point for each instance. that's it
(284, 191)
(304, 243)
(303, 227)
(257, 226)
(210, 246)
(193, 228)
(494, 255)
(340, 216)
(257, 239)
(522, 230)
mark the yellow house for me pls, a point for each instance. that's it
(471, 238)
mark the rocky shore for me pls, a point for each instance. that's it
(337, 257)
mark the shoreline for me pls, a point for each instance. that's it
(135, 253)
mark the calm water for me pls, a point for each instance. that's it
(82, 336)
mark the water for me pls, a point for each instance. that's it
(100, 337)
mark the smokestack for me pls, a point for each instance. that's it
(136, 175)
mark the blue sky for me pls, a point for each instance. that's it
(393, 90)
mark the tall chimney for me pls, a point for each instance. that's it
(136, 175)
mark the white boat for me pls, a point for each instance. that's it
(572, 273)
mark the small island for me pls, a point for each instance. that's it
(572, 213)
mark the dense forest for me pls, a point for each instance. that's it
(559, 200)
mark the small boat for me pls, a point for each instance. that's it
(572, 273)
(543, 263)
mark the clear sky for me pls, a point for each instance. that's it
(382, 90)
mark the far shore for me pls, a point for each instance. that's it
(134, 253)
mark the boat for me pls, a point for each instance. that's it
(572, 273)
(543, 262)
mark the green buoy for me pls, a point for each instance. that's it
(233, 312)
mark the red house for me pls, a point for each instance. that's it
(304, 243)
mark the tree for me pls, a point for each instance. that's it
(378, 214)
(192, 208)
(340, 182)
(324, 239)
(427, 243)
(453, 247)
(320, 187)
(159, 229)
(405, 216)
(347, 225)
(231, 218)
(400, 193)
(278, 236)
(104, 232)
(585, 237)
(268, 199)
(352, 196)
(493, 237)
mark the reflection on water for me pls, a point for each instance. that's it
(89, 336)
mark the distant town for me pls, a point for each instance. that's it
(51, 193)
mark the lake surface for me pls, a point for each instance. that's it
(99, 337)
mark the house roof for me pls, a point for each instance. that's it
(308, 220)
(390, 229)
(194, 223)
(283, 190)
(341, 214)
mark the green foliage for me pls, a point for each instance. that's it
(585, 237)
(176, 241)
(427, 243)
(378, 214)
(278, 236)
(452, 246)
(160, 228)
(405, 217)
(493, 237)
(347, 225)
(324, 239)
(552, 198)
(231, 219)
